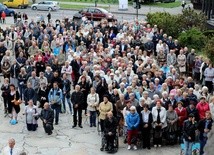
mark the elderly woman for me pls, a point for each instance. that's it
(182, 115)
(159, 123)
(92, 101)
(146, 125)
(132, 121)
(104, 107)
(31, 112)
(171, 118)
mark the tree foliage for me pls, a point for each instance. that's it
(175, 24)
(193, 38)
(209, 49)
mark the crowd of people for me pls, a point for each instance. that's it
(145, 78)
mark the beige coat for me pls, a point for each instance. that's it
(104, 108)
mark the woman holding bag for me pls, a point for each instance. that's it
(93, 102)
(31, 112)
(13, 104)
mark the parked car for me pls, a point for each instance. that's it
(8, 12)
(46, 5)
(21, 4)
(94, 13)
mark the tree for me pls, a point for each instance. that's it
(167, 22)
(193, 38)
(209, 49)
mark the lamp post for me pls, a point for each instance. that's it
(95, 3)
(137, 6)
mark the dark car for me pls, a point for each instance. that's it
(8, 12)
(94, 13)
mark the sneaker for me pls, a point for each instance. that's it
(129, 147)
(155, 146)
(135, 147)
(159, 145)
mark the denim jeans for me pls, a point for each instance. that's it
(93, 117)
(64, 98)
(21, 90)
(57, 109)
(188, 147)
(202, 144)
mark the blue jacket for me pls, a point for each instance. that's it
(132, 120)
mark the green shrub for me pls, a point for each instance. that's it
(165, 21)
(193, 38)
(175, 24)
(209, 49)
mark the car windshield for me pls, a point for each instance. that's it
(103, 10)
(3, 7)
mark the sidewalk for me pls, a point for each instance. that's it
(114, 8)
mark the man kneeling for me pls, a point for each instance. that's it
(47, 117)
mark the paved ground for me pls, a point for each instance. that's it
(64, 140)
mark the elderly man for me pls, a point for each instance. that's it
(47, 117)
(11, 149)
(77, 100)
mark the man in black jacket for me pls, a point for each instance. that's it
(189, 129)
(47, 117)
(29, 94)
(110, 127)
(204, 126)
(77, 100)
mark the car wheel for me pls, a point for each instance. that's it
(50, 9)
(19, 7)
(34, 8)
(11, 14)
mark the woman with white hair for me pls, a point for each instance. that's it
(205, 92)
(133, 121)
(159, 123)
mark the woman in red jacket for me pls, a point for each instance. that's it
(182, 115)
(202, 107)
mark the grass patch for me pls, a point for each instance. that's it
(77, 7)
(165, 5)
(177, 3)
(92, 1)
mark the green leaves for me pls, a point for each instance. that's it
(173, 25)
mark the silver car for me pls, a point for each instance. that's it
(46, 5)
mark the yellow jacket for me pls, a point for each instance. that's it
(104, 108)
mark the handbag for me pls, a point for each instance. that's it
(36, 117)
(15, 101)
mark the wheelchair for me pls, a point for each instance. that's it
(104, 144)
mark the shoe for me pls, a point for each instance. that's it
(144, 147)
(73, 126)
(129, 147)
(80, 126)
(148, 148)
(90, 125)
(159, 145)
(94, 125)
(155, 146)
(101, 149)
(50, 133)
(106, 148)
(135, 147)
(56, 123)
